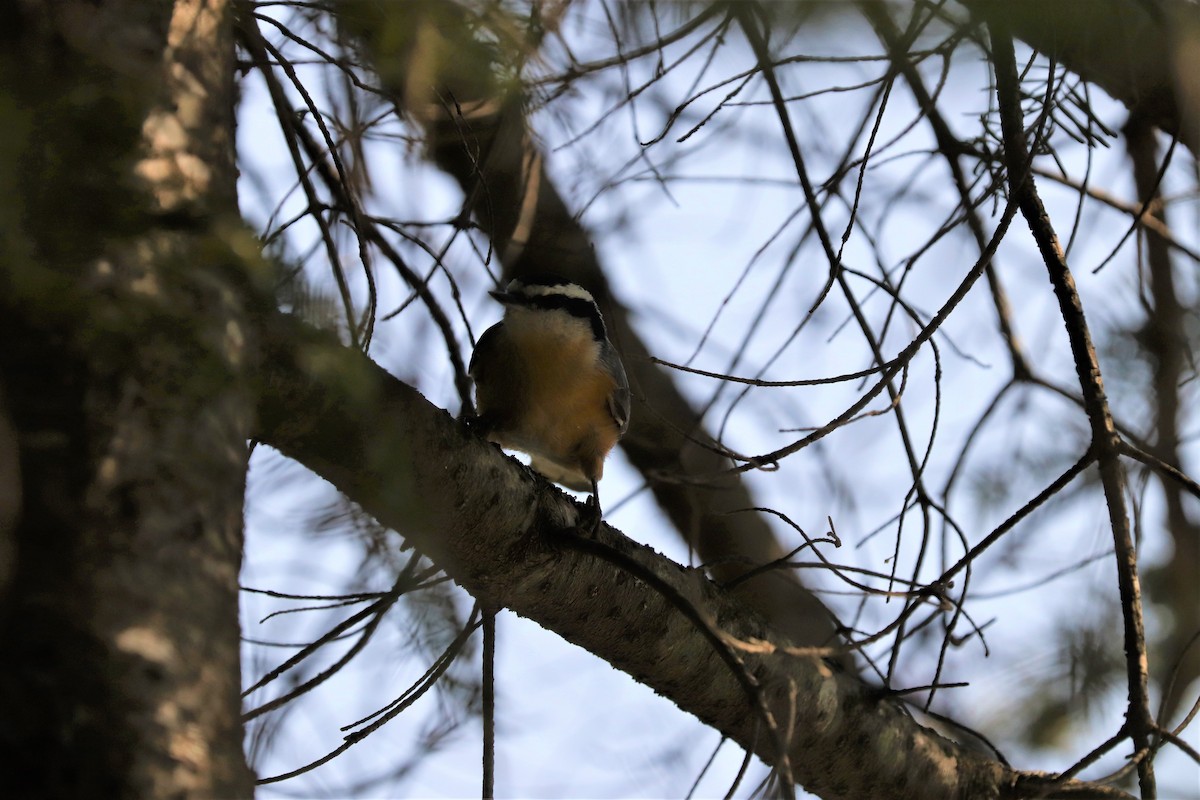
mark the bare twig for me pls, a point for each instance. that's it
(1105, 439)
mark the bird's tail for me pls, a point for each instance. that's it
(569, 477)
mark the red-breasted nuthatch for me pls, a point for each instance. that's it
(549, 383)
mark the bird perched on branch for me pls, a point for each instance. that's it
(549, 383)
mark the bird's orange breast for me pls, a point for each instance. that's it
(556, 402)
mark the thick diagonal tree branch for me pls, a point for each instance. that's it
(505, 535)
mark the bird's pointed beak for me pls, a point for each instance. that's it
(505, 298)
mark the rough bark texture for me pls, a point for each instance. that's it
(120, 309)
(501, 533)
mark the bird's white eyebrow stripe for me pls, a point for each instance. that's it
(563, 290)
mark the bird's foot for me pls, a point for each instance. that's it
(592, 518)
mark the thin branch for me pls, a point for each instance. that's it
(1105, 439)
(428, 680)
(489, 704)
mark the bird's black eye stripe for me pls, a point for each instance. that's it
(575, 306)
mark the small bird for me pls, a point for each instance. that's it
(549, 383)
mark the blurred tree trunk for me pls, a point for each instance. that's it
(1144, 54)
(124, 342)
(1165, 337)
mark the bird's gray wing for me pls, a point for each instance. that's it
(618, 400)
(486, 343)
